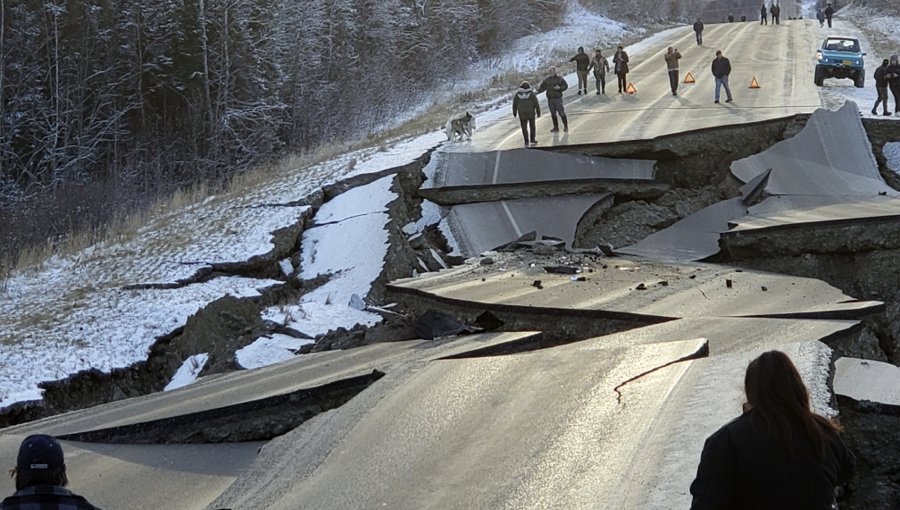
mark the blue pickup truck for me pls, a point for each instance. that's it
(840, 57)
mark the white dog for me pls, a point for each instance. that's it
(460, 126)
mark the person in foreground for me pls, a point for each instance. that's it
(778, 454)
(40, 475)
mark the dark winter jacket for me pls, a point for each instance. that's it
(525, 104)
(721, 67)
(776, 10)
(45, 497)
(620, 62)
(698, 26)
(763, 11)
(742, 467)
(881, 79)
(554, 86)
(599, 65)
(582, 61)
(820, 15)
(829, 12)
(893, 70)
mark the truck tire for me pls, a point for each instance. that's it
(819, 77)
(860, 80)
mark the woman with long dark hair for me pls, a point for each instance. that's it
(778, 454)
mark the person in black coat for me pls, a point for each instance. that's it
(893, 77)
(881, 87)
(527, 108)
(721, 69)
(620, 67)
(698, 31)
(778, 454)
(829, 12)
(763, 15)
(582, 63)
(555, 85)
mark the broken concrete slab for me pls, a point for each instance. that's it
(243, 387)
(695, 237)
(460, 178)
(796, 225)
(612, 290)
(530, 166)
(867, 380)
(830, 156)
(726, 335)
(535, 430)
(482, 227)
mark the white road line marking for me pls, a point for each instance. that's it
(511, 219)
(496, 168)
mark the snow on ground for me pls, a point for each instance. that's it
(267, 351)
(188, 372)
(848, 21)
(90, 327)
(892, 154)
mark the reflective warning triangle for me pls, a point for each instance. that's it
(630, 89)
(689, 78)
(754, 84)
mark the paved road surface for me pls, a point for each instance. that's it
(780, 57)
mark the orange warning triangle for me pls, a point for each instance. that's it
(689, 78)
(630, 89)
(754, 84)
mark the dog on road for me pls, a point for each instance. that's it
(460, 126)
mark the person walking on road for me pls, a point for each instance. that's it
(600, 66)
(527, 108)
(882, 79)
(893, 74)
(672, 57)
(698, 31)
(778, 453)
(582, 63)
(829, 12)
(721, 68)
(555, 85)
(763, 15)
(620, 67)
(40, 475)
(775, 10)
(821, 17)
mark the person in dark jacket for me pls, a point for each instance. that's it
(829, 12)
(775, 10)
(698, 31)
(893, 77)
(555, 85)
(763, 15)
(40, 475)
(731, 18)
(721, 68)
(778, 454)
(672, 57)
(600, 66)
(881, 87)
(582, 63)
(620, 67)
(527, 108)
